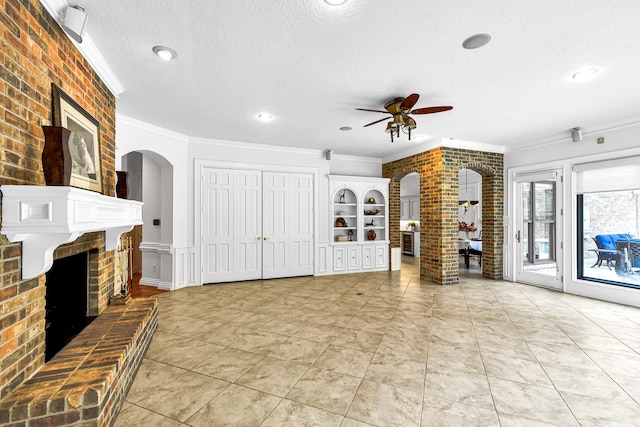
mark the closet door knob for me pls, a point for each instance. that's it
(264, 238)
(258, 238)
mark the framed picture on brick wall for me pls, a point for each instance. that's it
(83, 142)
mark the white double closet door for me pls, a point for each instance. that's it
(256, 225)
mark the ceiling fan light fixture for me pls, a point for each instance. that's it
(400, 110)
(165, 53)
(390, 128)
(335, 2)
(409, 123)
(398, 121)
(476, 41)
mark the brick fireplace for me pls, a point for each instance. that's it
(35, 54)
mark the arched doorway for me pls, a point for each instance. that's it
(150, 180)
(470, 222)
(409, 224)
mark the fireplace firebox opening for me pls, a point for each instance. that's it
(67, 290)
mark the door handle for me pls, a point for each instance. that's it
(264, 238)
(258, 238)
(518, 236)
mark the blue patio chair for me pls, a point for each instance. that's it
(607, 250)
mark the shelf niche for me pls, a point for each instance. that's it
(345, 216)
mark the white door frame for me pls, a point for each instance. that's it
(515, 178)
(200, 164)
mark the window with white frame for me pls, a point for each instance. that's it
(608, 226)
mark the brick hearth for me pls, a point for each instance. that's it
(86, 383)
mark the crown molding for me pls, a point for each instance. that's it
(129, 121)
(255, 146)
(349, 158)
(87, 48)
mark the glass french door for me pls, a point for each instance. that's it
(538, 228)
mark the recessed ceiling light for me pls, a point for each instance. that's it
(335, 2)
(476, 41)
(166, 53)
(346, 128)
(586, 74)
(265, 117)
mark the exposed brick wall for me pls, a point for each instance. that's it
(35, 52)
(438, 169)
(86, 383)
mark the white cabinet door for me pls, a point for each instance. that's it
(353, 258)
(368, 257)
(287, 225)
(339, 258)
(415, 209)
(247, 225)
(217, 225)
(381, 256)
(405, 209)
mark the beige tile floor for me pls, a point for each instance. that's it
(384, 349)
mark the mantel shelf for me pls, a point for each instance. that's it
(45, 217)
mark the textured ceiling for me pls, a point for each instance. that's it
(311, 65)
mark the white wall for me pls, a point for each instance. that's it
(165, 186)
(134, 135)
(183, 153)
(355, 166)
(619, 142)
(151, 195)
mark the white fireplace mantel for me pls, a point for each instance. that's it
(45, 217)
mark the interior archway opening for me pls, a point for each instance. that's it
(469, 222)
(409, 224)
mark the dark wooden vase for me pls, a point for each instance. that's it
(371, 235)
(56, 158)
(121, 185)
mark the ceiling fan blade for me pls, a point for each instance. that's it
(409, 102)
(373, 111)
(431, 110)
(377, 121)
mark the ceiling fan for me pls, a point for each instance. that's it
(400, 109)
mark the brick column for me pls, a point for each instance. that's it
(438, 170)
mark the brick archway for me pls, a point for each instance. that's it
(438, 170)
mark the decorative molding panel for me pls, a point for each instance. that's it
(45, 217)
(154, 247)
